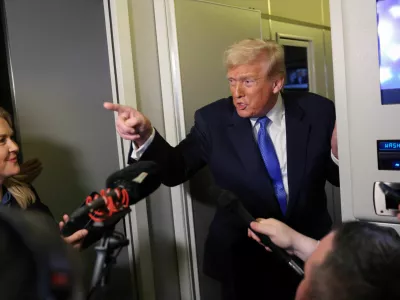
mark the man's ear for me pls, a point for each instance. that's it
(278, 84)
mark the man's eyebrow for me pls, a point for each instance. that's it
(6, 134)
(243, 76)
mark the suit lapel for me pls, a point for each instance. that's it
(297, 134)
(240, 133)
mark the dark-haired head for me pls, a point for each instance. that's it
(356, 261)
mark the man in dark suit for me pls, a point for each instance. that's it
(272, 150)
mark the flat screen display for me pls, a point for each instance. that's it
(296, 62)
(388, 17)
(297, 78)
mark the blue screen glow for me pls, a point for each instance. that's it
(388, 15)
(389, 146)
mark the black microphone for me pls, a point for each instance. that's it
(100, 201)
(138, 180)
(231, 202)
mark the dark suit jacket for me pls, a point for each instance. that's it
(225, 142)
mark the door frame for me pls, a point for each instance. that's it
(123, 85)
(136, 223)
(306, 42)
(174, 121)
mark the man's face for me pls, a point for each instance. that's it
(316, 259)
(254, 94)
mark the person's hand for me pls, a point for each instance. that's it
(279, 233)
(334, 143)
(76, 238)
(284, 237)
(29, 170)
(131, 124)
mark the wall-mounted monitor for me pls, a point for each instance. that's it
(296, 79)
(388, 17)
(297, 76)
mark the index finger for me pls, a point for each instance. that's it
(117, 107)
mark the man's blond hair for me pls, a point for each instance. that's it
(256, 50)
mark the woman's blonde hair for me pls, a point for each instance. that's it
(20, 190)
(256, 50)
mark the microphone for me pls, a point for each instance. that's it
(231, 202)
(104, 204)
(139, 179)
(128, 185)
(124, 187)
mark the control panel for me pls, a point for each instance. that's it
(388, 155)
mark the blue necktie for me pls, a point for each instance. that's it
(271, 162)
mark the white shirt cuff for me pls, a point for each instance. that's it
(138, 152)
(335, 160)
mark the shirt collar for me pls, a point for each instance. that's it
(6, 196)
(275, 114)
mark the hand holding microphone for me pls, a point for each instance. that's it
(124, 187)
(284, 237)
(75, 239)
(280, 234)
(231, 202)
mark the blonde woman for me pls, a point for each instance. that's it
(15, 189)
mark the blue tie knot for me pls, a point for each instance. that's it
(264, 121)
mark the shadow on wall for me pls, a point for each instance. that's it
(59, 186)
